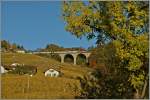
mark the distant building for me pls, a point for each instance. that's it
(20, 51)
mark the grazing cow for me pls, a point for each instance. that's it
(52, 73)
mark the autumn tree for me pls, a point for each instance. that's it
(13, 47)
(124, 24)
(53, 47)
(5, 45)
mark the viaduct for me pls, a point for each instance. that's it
(62, 54)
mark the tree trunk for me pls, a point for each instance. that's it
(137, 94)
(144, 90)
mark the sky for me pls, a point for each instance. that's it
(36, 24)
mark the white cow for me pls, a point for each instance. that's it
(52, 73)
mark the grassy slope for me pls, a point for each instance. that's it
(15, 86)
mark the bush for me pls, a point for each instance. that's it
(96, 86)
(90, 86)
(21, 70)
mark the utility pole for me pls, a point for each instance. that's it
(28, 86)
(28, 83)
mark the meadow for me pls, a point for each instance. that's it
(38, 86)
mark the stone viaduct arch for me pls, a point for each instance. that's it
(68, 56)
(82, 59)
(62, 55)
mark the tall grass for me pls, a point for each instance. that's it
(15, 87)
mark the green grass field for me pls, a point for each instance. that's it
(39, 86)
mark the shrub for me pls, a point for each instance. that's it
(24, 70)
(96, 86)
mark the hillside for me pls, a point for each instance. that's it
(16, 86)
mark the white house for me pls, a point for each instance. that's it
(20, 51)
(3, 70)
(52, 73)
